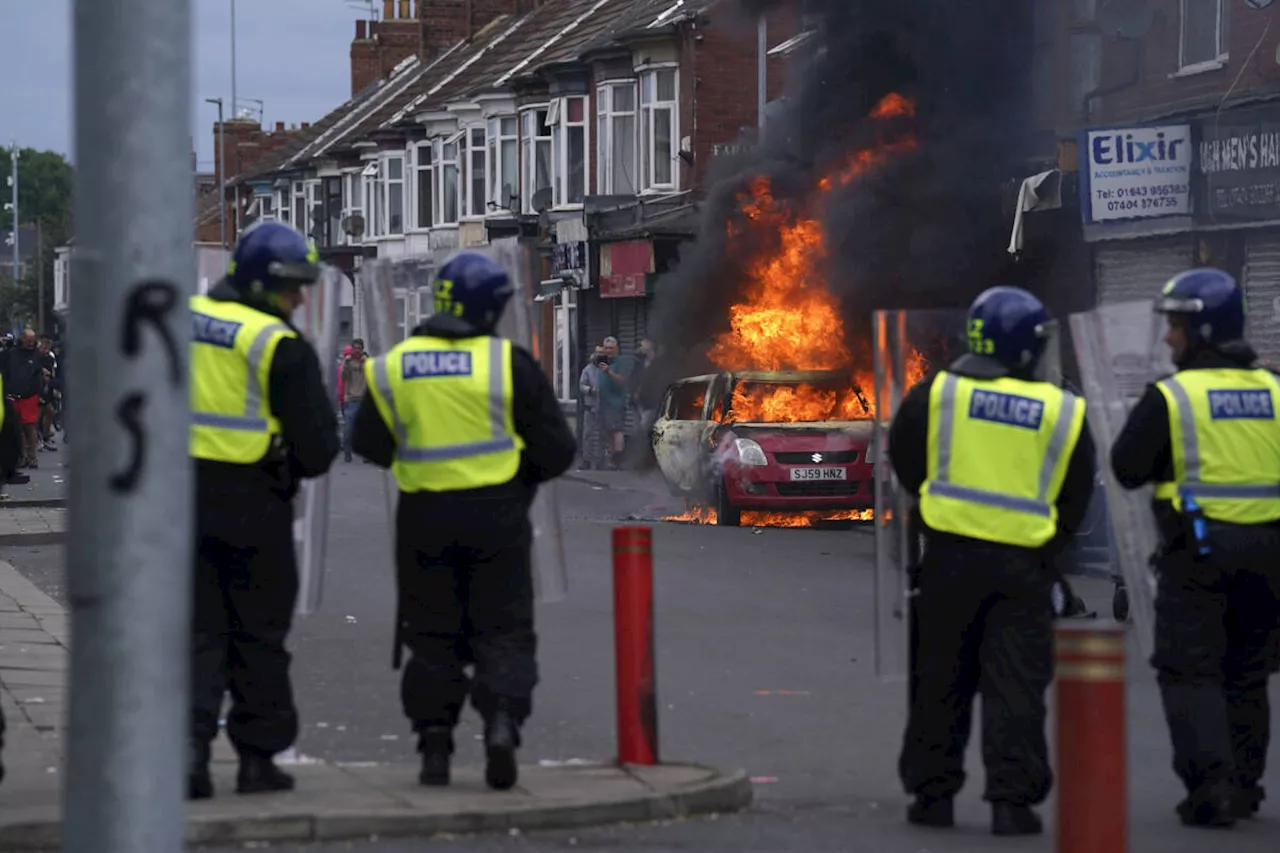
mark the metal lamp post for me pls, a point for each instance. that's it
(222, 174)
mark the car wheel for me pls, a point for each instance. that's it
(727, 515)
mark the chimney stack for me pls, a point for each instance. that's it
(279, 126)
(388, 9)
(362, 30)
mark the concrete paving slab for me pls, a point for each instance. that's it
(20, 636)
(26, 659)
(18, 619)
(27, 677)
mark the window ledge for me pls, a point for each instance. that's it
(562, 208)
(1201, 67)
(448, 226)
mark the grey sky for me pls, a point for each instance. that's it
(292, 54)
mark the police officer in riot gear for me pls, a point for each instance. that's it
(1207, 437)
(1003, 467)
(261, 421)
(470, 426)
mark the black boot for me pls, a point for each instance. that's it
(1247, 802)
(199, 781)
(1013, 819)
(501, 740)
(938, 813)
(1213, 806)
(259, 774)
(436, 746)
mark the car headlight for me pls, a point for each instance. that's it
(750, 453)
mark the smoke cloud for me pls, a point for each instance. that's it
(924, 230)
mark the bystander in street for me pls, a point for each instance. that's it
(354, 387)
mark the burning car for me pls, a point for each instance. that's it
(768, 442)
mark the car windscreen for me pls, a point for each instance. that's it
(793, 401)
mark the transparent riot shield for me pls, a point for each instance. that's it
(520, 324)
(1120, 352)
(908, 346)
(317, 319)
(387, 288)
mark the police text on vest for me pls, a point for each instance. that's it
(1241, 405)
(424, 365)
(1006, 409)
(211, 330)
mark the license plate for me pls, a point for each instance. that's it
(806, 474)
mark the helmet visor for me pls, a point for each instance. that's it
(295, 273)
(1178, 305)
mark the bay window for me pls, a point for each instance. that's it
(425, 187)
(266, 208)
(372, 201)
(447, 172)
(477, 197)
(333, 212)
(617, 166)
(354, 200)
(536, 156)
(659, 127)
(568, 118)
(504, 162)
(395, 194)
(300, 218)
(283, 208)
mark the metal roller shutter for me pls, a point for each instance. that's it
(1262, 290)
(1127, 270)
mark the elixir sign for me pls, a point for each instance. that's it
(1137, 173)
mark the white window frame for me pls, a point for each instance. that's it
(530, 143)
(311, 190)
(284, 205)
(372, 195)
(558, 117)
(607, 120)
(353, 191)
(388, 183)
(473, 145)
(566, 331)
(298, 203)
(498, 141)
(447, 172)
(1214, 62)
(649, 155)
(266, 207)
(423, 163)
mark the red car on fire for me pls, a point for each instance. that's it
(773, 442)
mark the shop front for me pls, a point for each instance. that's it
(1237, 191)
(1135, 199)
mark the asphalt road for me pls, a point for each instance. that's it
(765, 662)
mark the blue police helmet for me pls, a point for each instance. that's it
(270, 257)
(1009, 325)
(1211, 301)
(473, 289)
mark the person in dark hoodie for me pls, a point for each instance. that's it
(1003, 466)
(470, 426)
(10, 453)
(261, 422)
(1209, 440)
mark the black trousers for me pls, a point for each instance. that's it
(983, 626)
(246, 586)
(1217, 641)
(465, 598)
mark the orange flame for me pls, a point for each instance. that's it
(753, 518)
(789, 319)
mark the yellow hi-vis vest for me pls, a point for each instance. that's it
(232, 346)
(449, 405)
(1225, 443)
(998, 453)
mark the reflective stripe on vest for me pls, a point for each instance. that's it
(502, 440)
(1191, 462)
(941, 485)
(251, 420)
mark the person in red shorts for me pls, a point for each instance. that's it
(23, 382)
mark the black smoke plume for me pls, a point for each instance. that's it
(925, 230)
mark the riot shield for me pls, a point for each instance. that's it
(908, 347)
(317, 319)
(520, 325)
(1120, 352)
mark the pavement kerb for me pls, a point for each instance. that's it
(34, 503)
(723, 792)
(56, 537)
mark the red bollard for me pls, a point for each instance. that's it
(633, 642)
(1093, 785)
